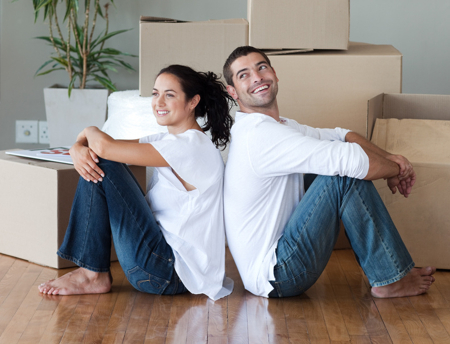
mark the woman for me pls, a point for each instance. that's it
(172, 239)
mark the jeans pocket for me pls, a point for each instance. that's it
(145, 282)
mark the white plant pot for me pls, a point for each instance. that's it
(67, 117)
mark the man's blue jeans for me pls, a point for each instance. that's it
(116, 207)
(311, 233)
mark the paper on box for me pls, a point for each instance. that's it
(35, 202)
(422, 219)
(204, 46)
(297, 24)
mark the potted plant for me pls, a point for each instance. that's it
(82, 54)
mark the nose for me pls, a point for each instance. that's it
(256, 76)
(160, 101)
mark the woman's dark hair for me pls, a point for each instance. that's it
(215, 102)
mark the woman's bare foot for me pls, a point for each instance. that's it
(80, 281)
(417, 282)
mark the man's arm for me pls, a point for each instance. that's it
(395, 168)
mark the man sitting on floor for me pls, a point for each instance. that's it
(281, 239)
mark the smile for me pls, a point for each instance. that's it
(261, 88)
(162, 113)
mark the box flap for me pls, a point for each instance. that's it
(144, 19)
(271, 52)
(374, 111)
(418, 106)
(419, 140)
(159, 20)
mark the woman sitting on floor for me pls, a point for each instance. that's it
(170, 240)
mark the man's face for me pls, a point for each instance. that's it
(255, 83)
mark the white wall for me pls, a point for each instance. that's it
(419, 29)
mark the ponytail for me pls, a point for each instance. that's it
(215, 102)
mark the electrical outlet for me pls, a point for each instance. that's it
(43, 132)
(26, 131)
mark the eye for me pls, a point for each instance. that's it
(242, 75)
(154, 94)
(169, 95)
(262, 67)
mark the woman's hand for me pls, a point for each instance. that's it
(85, 162)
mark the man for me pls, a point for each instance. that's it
(281, 239)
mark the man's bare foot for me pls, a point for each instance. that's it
(416, 282)
(80, 281)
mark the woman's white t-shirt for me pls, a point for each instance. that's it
(191, 221)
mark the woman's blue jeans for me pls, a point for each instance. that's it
(311, 233)
(116, 207)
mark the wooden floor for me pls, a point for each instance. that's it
(338, 309)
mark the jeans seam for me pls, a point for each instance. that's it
(88, 216)
(308, 219)
(386, 248)
(129, 209)
(396, 278)
(81, 264)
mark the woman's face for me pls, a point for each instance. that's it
(169, 103)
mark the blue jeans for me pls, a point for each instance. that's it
(116, 207)
(311, 233)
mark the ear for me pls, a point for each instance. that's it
(232, 92)
(194, 101)
(275, 74)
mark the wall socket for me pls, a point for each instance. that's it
(26, 131)
(43, 132)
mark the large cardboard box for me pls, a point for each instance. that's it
(328, 89)
(294, 24)
(203, 46)
(35, 202)
(418, 127)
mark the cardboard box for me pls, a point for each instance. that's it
(204, 46)
(328, 89)
(298, 24)
(414, 126)
(35, 203)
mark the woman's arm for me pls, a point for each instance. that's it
(93, 143)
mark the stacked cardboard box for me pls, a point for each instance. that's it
(418, 127)
(203, 46)
(299, 24)
(330, 88)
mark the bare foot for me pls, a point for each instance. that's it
(417, 282)
(80, 281)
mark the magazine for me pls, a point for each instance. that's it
(56, 154)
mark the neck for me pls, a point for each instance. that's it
(175, 130)
(271, 111)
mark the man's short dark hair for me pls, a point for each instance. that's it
(239, 52)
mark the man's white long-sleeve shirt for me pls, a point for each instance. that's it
(264, 184)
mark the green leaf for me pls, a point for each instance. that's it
(41, 67)
(70, 87)
(49, 71)
(108, 36)
(61, 61)
(105, 82)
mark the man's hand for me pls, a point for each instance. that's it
(404, 186)
(85, 162)
(405, 179)
(406, 169)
